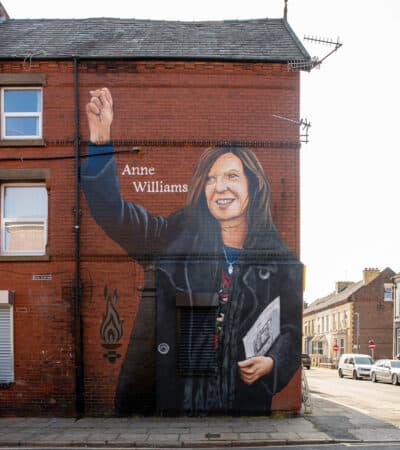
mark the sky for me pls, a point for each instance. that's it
(350, 168)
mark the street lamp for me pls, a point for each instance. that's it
(357, 330)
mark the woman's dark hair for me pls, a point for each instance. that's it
(258, 211)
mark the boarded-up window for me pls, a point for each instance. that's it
(196, 341)
(6, 344)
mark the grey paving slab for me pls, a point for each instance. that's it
(163, 438)
(254, 436)
(377, 434)
(290, 435)
(135, 438)
(102, 436)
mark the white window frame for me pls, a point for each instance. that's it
(43, 220)
(397, 301)
(38, 115)
(6, 303)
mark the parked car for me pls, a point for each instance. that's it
(306, 360)
(355, 365)
(387, 370)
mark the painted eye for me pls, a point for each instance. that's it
(210, 180)
(233, 176)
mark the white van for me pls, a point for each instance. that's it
(355, 365)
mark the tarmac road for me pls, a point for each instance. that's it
(378, 400)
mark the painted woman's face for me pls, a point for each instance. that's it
(227, 189)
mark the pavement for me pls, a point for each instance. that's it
(325, 422)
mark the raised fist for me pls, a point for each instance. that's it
(100, 114)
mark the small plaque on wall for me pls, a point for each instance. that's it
(47, 277)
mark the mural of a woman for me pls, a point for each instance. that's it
(220, 251)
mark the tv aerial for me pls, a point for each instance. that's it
(304, 125)
(308, 65)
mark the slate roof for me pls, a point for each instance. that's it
(333, 298)
(262, 40)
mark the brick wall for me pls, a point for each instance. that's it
(376, 316)
(171, 111)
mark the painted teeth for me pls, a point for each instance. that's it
(224, 202)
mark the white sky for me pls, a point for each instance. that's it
(350, 168)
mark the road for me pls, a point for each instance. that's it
(378, 400)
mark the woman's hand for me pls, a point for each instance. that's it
(100, 114)
(252, 369)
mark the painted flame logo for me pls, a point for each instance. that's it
(111, 330)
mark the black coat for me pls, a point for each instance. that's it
(188, 273)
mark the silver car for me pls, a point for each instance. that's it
(386, 370)
(355, 365)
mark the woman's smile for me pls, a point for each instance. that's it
(224, 202)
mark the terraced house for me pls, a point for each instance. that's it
(349, 318)
(79, 324)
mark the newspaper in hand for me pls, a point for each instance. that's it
(264, 331)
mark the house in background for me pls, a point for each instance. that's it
(396, 314)
(349, 318)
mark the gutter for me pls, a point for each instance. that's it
(177, 59)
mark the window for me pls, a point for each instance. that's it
(21, 113)
(397, 301)
(6, 338)
(345, 319)
(388, 292)
(23, 219)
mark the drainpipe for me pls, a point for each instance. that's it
(77, 319)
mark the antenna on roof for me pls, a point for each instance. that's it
(303, 123)
(285, 10)
(337, 44)
(303, 64)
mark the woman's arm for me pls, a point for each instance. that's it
(130, 225)
(286, 350)
(277, 367)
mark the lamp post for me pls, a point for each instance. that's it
(357, 331)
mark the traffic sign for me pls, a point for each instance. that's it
(371, 344)
(335, 348)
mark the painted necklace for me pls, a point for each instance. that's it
(233, 257)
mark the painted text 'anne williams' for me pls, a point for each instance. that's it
(151, 186)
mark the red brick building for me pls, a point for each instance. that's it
(352, 316)
(68, 294)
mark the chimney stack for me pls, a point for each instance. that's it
(285, 10)
(342, 285)
(369, 274)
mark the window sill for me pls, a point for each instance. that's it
(23, 258)
(6, 384)
(22, 143)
